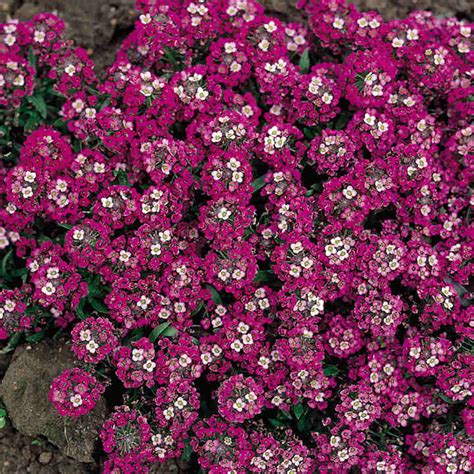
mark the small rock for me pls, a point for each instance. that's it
(45, 457)
(25, 390)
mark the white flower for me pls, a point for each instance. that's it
(85, 335)
(76, 400)
(349, 192)
(92, 346)
(52, 273)
(30, 177)
(201, 94)
(27, 192)
(107, 202)
(143, 302)
(124, 256)
(224, 213)
(149, 366)
(48, 289)
(39, 36)
(180, 403)
(70, 70)
(137, 355)
(237, 346)
(184, 360)
(230, 47)
(297, 247)
(239, 405)
(327, 98)
(369, 119)
(90, 113)
(145, 19)
(338, 23)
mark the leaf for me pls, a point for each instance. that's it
(136, 334)
(37, 337)
(309, 133)
(276, 423)
(3, 422)
(187, 453)
(360, 81)
(80, 309)
(331, 371)
(65, 226)
(169, 332)
(303, 425)
(32, 59)
(33, 121)
(39, 104)
(164, 329)
(263, 276)
(5, 260)
(341, 122)
(305, 61)
(259, 183)
(98, 305)
(12, 343)
(216, 297)
(3, 413)
(95, 287)
(446, 399)
(298, 410)
(122, 177)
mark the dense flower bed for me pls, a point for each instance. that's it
(256, 236)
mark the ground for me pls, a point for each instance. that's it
(100, 27)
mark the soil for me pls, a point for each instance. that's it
(100, 26)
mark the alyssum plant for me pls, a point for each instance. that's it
(256, 235)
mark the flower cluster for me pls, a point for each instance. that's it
(256, 234)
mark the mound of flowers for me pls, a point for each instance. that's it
(254, 235)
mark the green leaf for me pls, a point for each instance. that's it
(164, 329)
(259, 183)
(5, 260)
(263, 276)
(12, 343)
(95, 288)
(65, 226)
(309, 133)
(303, 425)
(3, 422)
(360, 81)
(39, 104)
(298, 410)
(98, 305)
(341, 122)
(80, 308)
(32, 59)
(277, 423)
(136, 334)
(37, 337)
(216, 297)
(446, 399)
(3, 413)
(187, 453)
(305, 62)
(331, 371)
(33, 121)
(122, 177)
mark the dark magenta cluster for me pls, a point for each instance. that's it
(255, 235)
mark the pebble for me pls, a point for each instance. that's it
(45, 457)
